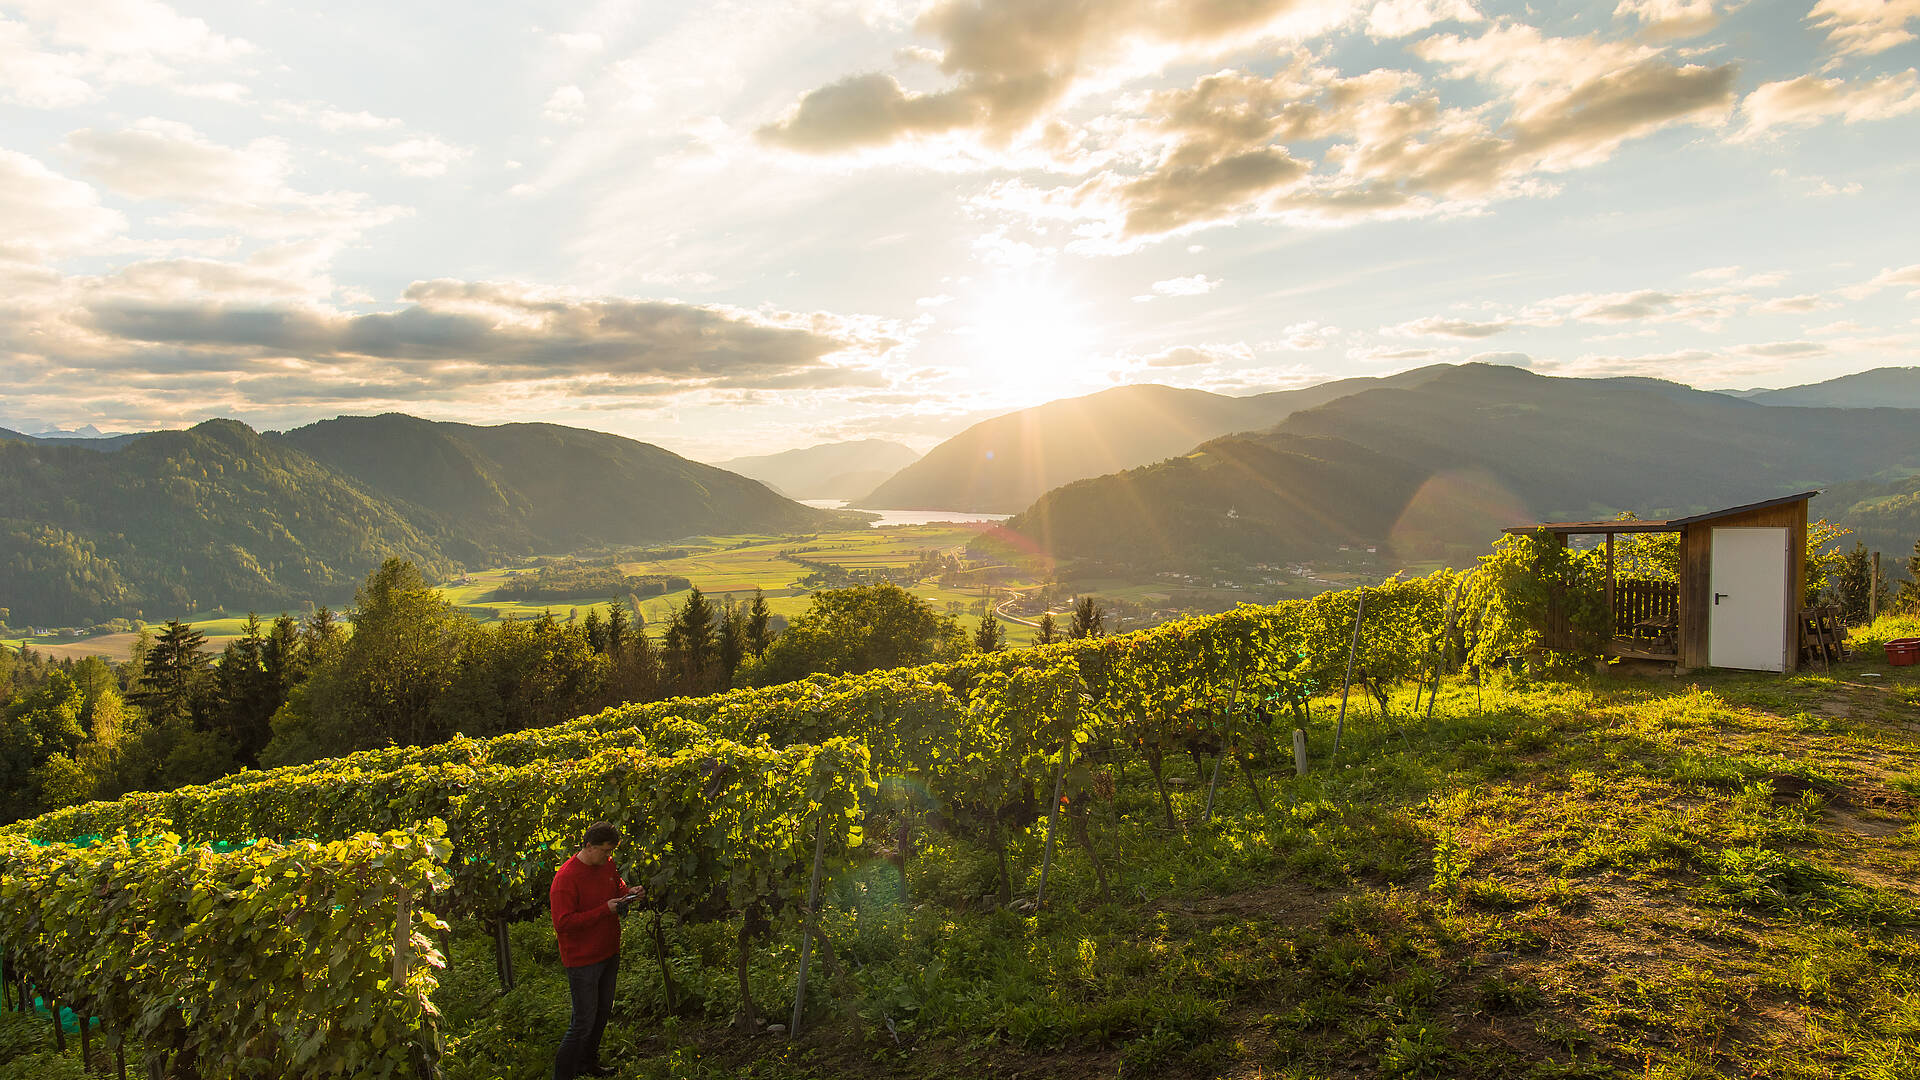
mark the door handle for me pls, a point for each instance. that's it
(1717, 597)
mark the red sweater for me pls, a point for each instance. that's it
(588, 932)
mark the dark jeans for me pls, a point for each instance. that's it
(592, 988)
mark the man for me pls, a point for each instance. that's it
(587, 898)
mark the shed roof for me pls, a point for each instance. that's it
(1667, 525)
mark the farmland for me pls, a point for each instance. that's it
(733, 567)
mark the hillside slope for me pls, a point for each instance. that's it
(213, 516)
(1000, 466)
(842, 470)
(520, 488)
(222, 516)
(1888, 387)
(1488, 446)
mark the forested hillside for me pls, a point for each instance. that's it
(216, 515)
(1883, 514)
(222, 516)
(1471, 449)
(1881, 388)
(1003, 464)
(516, 488)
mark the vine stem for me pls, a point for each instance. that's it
(1053, 815)
(806, 923)
(1359, 612)
(1233, 701)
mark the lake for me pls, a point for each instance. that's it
(910, 517)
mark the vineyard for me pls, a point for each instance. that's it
(297, 922)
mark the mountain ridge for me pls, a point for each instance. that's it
(1493, 446)
(1002, 464)
(222, 515)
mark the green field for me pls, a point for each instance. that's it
(733, 567)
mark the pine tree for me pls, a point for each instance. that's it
(1089, 619)
(174, 671)
(991, 637)
(690, 646)
(595, 631)
(1048, 632)
(731, 640)
(759, 624)
(619, 629)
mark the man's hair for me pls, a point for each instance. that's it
(601, 832)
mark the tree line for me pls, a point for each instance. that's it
(406, 667)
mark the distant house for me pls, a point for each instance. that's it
(1737, 602)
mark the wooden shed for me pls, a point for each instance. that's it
(1737, 601)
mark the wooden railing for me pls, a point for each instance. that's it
(1638, 602)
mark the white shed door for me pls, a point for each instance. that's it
(1747, 622)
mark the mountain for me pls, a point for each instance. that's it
(1884, 514)
(843, 470)
(103, 443)
(999, 466)
(1245, 498)
(221, 515)
(1889, 387)
(1492, 446)
(216, 515)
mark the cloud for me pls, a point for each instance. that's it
(61, 53)
(1014, 61)
(566, 105)
(1196, 364)
(192, 335)
(1886, 279)
(1506, 359)
(1706, 306)
(1573, 101)
(1783, 349)
(1194, 285)
(1434, 326)
(1237, 145)
(1666, 20)
(1784, 305)
(44, 215)
(1865, 27)
(1399, 18)
(1809, 100)
(166, 159)
(495, 331)
(422, 155)
(243, 189)
(1691, 366)
(1301, 337)
(335, 120)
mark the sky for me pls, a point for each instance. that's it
(734, 228)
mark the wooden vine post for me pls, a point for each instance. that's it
(806, 924)
(402, 939)
(1340, 727)
(1299, 752)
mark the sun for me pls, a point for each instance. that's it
(1030, 340)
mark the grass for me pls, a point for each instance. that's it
(1650, 878)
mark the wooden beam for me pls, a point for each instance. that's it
(1613, 618)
